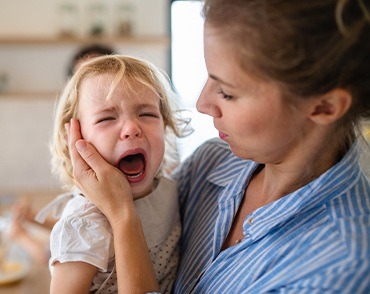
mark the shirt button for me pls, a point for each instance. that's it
(250, 220)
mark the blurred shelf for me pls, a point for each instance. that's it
(28, 95)
(42, 43)
(134, 40)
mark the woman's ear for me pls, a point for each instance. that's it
(330, 107)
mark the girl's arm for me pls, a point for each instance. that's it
(22, 211)
(109, 190)
(72, 278)
(37, 249)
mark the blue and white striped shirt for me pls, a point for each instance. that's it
(314, 240)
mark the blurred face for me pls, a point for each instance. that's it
(250, 115)
(127, 130)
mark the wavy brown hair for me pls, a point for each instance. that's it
(308, 47)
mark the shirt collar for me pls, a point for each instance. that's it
(233, 175)
(334, 182)
(340, 177)
(227, 171)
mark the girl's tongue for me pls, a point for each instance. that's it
(132, 165)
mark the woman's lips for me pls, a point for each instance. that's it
(222, 135)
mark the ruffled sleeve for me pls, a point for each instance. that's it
(82, 234)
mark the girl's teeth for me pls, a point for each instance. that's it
(135, 176)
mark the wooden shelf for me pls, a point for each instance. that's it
(134, 40)
(27, 95)
(51, 42)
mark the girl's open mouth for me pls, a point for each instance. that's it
(133, 166)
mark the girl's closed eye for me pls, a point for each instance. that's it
(149, 114)
(104, 119)
(224, 95)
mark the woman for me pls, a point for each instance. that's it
(281, 205)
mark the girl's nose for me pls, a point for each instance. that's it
(130, 130)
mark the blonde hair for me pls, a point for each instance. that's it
(124, 68)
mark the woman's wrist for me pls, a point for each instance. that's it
(126, 216)
(132, 254)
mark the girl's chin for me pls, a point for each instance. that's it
(140, 192)
(139, 195)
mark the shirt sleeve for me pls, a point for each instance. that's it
(84, 235)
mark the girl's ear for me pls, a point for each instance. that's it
(330, 107)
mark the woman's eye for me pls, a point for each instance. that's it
(224, 95)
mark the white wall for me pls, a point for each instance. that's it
(25, 128)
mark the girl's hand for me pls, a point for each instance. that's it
(22, 211)
(99, 181)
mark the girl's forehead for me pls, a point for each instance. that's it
(110, 82)
(104, 88)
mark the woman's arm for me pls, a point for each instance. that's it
(109, 190)
(72, 278)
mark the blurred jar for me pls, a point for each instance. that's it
(68, 18)
(125, 18)
(3, 82)
(97, 12)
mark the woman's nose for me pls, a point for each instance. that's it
(207, 101)
(130, 130)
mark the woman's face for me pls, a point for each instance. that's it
(250, 114)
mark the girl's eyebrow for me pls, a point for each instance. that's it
(105, 110)
(147, 105)
(138, 106)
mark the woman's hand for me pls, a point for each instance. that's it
(99, 181)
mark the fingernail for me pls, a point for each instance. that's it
(81, 145)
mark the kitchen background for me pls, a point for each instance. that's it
(37, 41)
